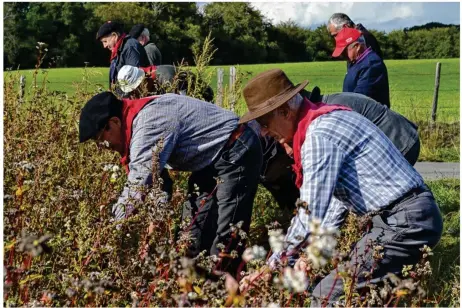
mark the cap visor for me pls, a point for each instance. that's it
(338, 51)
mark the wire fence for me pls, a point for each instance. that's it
(400, 84)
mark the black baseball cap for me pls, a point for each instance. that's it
(96, 113)
(135, 32)
(107, 28)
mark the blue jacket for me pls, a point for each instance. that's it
(368, 76)
(130, 53)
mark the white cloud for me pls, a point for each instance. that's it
(383, 16)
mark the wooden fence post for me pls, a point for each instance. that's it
(22, 85)
(220, 74)
(232, 84)
(435, 93)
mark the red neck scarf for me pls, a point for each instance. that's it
(130, 108)
(116, 47)
(150, 70)
(309, 111)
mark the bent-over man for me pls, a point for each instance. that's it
(197, 136)
(343, 162)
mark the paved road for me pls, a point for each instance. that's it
(435, 171)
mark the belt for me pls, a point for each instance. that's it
(235, 134)
(410, 194)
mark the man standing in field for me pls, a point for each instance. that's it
(366, 72)
(198, 137)
(141, 33)
(343, 163)
(125, 50)
(338, 21)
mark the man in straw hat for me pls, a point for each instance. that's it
(343, 162)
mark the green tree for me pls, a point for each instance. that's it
(291, 39)
(239, 31)
(319, 44)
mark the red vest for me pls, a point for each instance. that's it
(130, 108)
(308, 112)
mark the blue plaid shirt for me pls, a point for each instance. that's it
(348, 164)
(194, 133)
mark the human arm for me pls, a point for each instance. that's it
(322, 161)
(146, 135)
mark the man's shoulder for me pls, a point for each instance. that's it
(373, 56)
(327, 123)
(131, 42)
(371, 61)
(150, 45)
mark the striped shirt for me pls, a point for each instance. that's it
(193, 132)
(348, 165)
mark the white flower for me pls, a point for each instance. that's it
(115, 168)
(276, 240)
(254, 252)
(25, 165)
(114, 177)
(107, 167)
(295, 280)
(273, 305)
(322, 243)
(105, 144)
(133, 295)
(247, 255)
(192, 295)
(259, 252)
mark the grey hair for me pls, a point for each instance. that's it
(145, 33)
(339, 20)
(294, 103)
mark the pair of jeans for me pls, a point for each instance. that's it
(222, 194)
(401, 231)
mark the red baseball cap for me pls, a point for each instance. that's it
(344, 38)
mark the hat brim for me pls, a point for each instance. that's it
(338, 51)
(273, 103)
(126, 88)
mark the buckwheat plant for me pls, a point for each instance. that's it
(64, 248)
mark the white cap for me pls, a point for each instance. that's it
(129, 78)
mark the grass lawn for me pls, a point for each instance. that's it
(411, 82)
(411, 92)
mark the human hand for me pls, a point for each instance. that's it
(144, 249)
(246, 282)
(301, 264)
(288, 149)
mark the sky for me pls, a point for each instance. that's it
(382, 16)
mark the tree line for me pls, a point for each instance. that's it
(241, 34)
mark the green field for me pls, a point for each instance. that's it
(411, 82)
